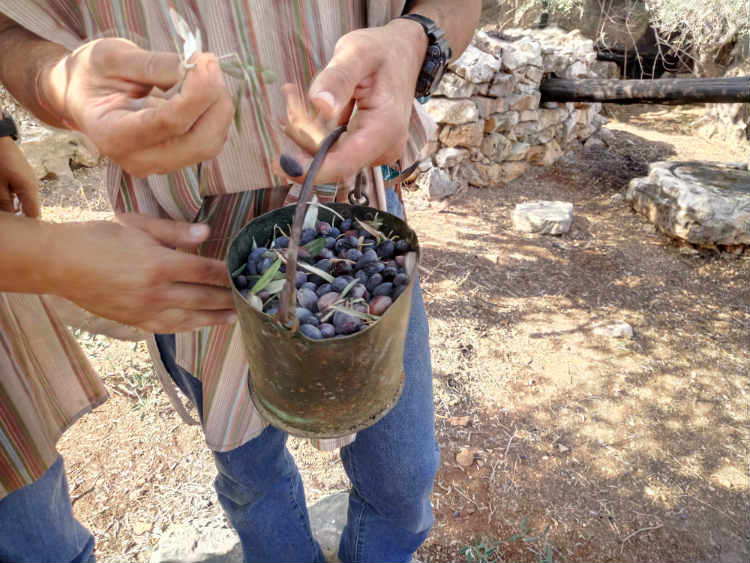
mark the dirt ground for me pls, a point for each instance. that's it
(574, 446)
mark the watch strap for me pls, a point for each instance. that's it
(8, 127)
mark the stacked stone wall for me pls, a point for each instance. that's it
(491, 125)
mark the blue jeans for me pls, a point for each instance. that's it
(37, 522)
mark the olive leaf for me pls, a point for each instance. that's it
(191, 41)
(311, 215)
(275, 286)
(353, 313)
(317, 271)
(266, 278)
(336, 213)
(315, 246)
(410, 263)
(239, 270)
(255, 302)
(372, 230)
(348, 287)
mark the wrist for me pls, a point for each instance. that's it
(51, 81)
(415, 40)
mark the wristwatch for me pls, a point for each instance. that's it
(436, 59)
(8, 127)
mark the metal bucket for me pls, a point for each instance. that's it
(323, 388)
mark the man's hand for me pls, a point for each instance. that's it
(17, 177)
(105, 89)
(129, 273)
(376, 68)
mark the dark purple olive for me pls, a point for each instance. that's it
(380, 304)
(323, 289)
(384, 288)
(299, 279)
(324, 265)
(311, 320)
(323, 227)
(353, 254)
(374, 268)
(374, 281)
(362, 277)
(256, 254)
(398, 290)
(252, 268)
(304, 254)
(307, 299)
(264, 264)
(264, 295)
(302, 314)
(327, 330)
(390, 272)
(345, 323)
(311, 331)
(359, 291)
(386, 249)
(400, 279)
(352, 233)
(326, 300)
(400, 260)
(309, 285)
(240, 282)
(344, 244)
(361, 307)
(271, 309)
(307, 236)
(291, 166)
(281, 242)
(345, 225)
(325, 253)
(402, 246)
(330, 243)
(342, 269)
(333, 232)
(340, 283)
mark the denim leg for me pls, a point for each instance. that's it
(392, 465)
(37, 522)
(258, 485)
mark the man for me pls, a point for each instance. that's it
(107, 89)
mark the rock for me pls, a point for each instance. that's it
(327, 520)
(618, 329)
(606, 136)
(487, 105)
(449, 157)
(594, 143)
(438, 183)
(465, 457)
(466, 135)
(509, 171)
(489, 44)
(479, 173)
(524, 52)
(520, 102)
(51, 152)
(495, 146)
(550, 117)
(205, 540)
(578, 69)
(459, 420)
(549, 154)
(456, 112)
(528, 115)
(534, 74)
(605, 69)
(518, 151)
(453, 86)
(704, 203)
(502, 85)
(617, 199)
(501, 122)
(475, 65)
(544, 217)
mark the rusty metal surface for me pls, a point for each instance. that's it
(323, 388)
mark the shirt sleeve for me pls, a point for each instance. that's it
(59, 21)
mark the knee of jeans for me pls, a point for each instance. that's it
(405, 498)
(244, 482)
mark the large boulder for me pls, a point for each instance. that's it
(704, 203)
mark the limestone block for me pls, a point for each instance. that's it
(475, 66)
(465, 135)
(453, 111)
(544, 217)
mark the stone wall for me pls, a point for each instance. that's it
(491, 126)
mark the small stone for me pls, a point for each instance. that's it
(543, 217)
(141, 527)
(459, 420)
(562, 449)
(438, 183)
(502, 85)
(618, 329)
(521, 102)
(594, 143)
(465, 457)
(466, 135)
(449, 157)
(475, 65)
(453, 86)
(456, 112)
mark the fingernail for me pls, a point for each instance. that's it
(199, 231)
(326, 97)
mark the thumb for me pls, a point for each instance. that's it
(152, 68)
(174, 234)
(333, 89)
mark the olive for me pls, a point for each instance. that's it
(323, 228)
(324, 265)
(333, 232)
(327, 330)
(264, 264)
(345, 323)
(307, 236)
(264, 295)
(307, 298)
(311, 331)
(326, 300)
(380, 304)
(362, 276)
(281, 242)
(386, 249)
(342, 269)
(384, 288)
(390, 272)
(400, 260)
(374, 268)
(302, 314)
(241, 282)
(330, 243)
(359, 291)
(309, 285)
(402, 246)
(346, 224)
(323, 289)
(325, 253)
(256, 254)
(374, 281)
(299, 279)
(340, 283)
(400, 279)
(353, 254)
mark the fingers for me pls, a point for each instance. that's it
(354, 59)
(123, 59)
(6, 198)
(181, 320)
(197, 269)
(174, 234)
(142, 125)
(197, 298)
(27, 190)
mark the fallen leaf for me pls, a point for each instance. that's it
(459, 420)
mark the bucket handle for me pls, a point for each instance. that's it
(288, 293)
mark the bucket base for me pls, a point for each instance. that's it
(305, 428)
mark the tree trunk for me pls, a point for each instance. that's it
(673, 91)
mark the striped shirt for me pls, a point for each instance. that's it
(293, 39)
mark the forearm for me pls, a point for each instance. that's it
(457, 19)
(25, 60)
(25, 254)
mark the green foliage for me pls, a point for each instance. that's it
(483, 550)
